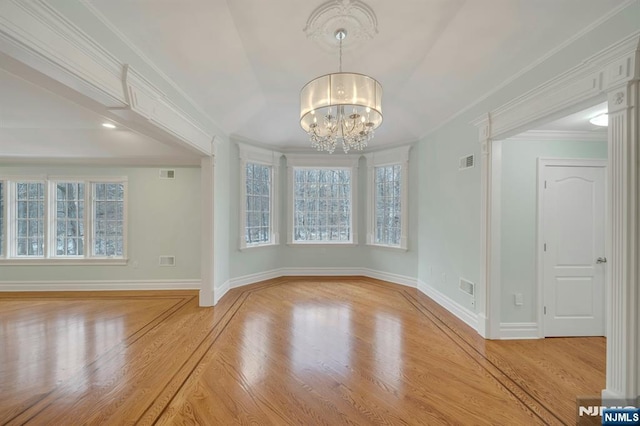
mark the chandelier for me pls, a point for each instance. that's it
(342, 106)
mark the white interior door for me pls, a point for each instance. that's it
(573, 220)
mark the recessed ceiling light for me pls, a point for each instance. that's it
(109, 125)
(600, 120)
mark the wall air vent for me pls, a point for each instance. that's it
(167, 174)
(468, 287)
(167, 261)
(466, 162)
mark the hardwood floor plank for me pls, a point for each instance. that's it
(296, 350)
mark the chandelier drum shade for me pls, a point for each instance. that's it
(341, 106)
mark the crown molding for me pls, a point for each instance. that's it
(40, 38)
(586, 82)
(206, 122)
(107, 162)
(604, 18)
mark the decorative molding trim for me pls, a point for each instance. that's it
(313, 160)
(468, 317)
(392, 278)
(354, 16)
(255, 278)
(219, 292)
(560, 135)
(96, 285)
(111, 161)
(209, 125)
(599, 73)
(321, 272)
(41, 38)
(519, 330)
(534, 64)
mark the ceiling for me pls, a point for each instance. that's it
(243, 63)
(579, 121)
(37, 124)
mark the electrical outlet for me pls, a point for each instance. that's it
(135, 264)
(518, 299)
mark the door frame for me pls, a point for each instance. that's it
(560, 162)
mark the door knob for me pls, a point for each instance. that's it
(601, 260)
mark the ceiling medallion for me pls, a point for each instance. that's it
(355, 17)
(341, 107)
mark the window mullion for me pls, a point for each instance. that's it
(50, 218)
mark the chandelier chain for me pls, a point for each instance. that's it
(341, 53)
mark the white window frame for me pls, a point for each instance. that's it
(265, 157)
(51, 190)
(3, 234)
(389, 157)
(319, 161)
(50, 257)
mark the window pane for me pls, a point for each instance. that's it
(29, 210)
(108, 220)
(322, 203)
(258, 217)
(387, 203)
(69, 229)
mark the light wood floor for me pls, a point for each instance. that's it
(288, 351)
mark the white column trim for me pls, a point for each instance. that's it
(623, 243)
(614, 71)
(207, 260)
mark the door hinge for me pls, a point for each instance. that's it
(545, 184)
(545, 246)
(545, 310)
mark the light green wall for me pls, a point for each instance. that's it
(519, 216)
(257, 259)
(449, 205)
(389, 260)
(449, 211)
(164, 219)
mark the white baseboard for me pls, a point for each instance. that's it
(392, 278)
(467, 316)
(320, 272)
(99, 285)
(254, 278)
(609, 394)
(519, 330)
(219, 292)
(482, 325)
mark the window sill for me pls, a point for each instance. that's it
(320, 244)
(390, 248)
(255, 246)
(64, 262)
